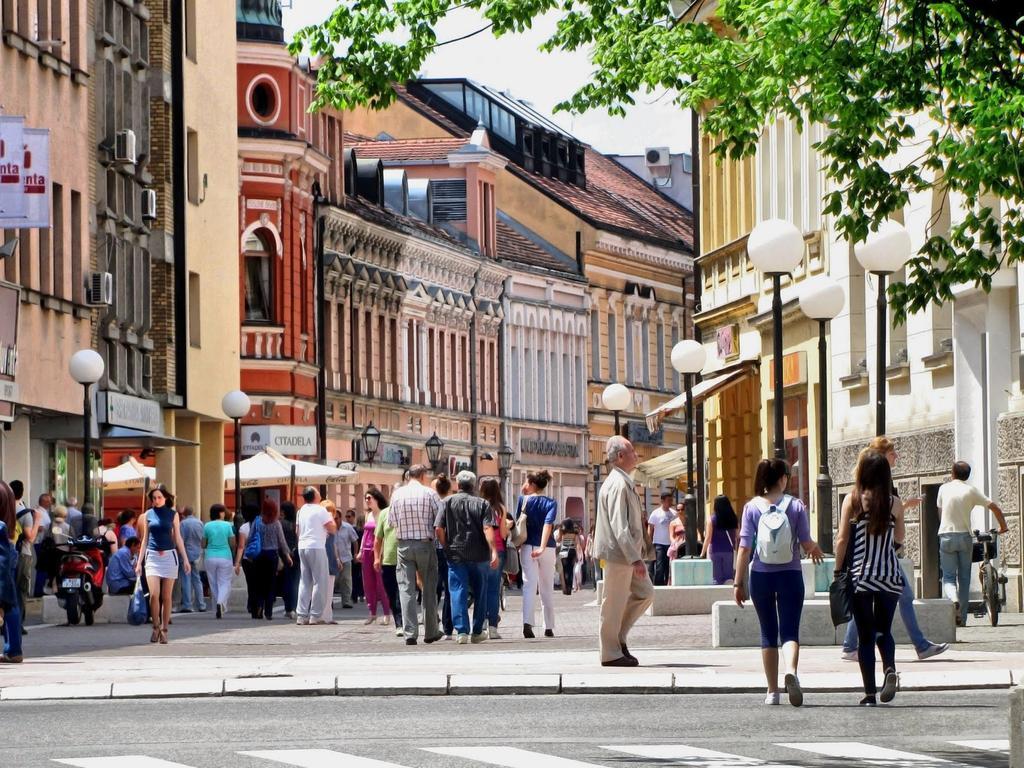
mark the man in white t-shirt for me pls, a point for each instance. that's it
(956, 501)
(657, 527)
(313, 524)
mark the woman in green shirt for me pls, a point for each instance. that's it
(385, 557)
(219, 544)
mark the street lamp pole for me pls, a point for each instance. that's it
(688, 358)
(235, 405)
(86, 367)
(822, 300)
(616, 398)
(776, 248)
(883, 253)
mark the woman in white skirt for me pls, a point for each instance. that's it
(162, 546)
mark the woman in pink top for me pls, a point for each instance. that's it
(373, 584)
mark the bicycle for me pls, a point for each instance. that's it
(993, 579)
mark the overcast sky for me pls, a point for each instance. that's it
(515, 64)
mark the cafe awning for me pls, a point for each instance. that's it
(701, 392)
(668, 466)
(269, 468)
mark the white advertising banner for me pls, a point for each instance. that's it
(12, 153)
(35, 173)
(283, 438)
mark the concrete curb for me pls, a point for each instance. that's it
(644, 682)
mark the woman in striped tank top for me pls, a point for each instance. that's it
(873, 518)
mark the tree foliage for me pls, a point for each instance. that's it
(915, 96)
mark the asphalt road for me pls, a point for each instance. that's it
(517, 732)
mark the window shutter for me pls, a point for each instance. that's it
(448, 200)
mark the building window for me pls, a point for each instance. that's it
(190, 29)
(192, 155)
(263, 100)
(645, 352)
(675, 373)
(258, 285)
(630, 370)
(194, 324)
(595, 344)
(661, 356)
(613, 348)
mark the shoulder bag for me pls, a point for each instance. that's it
(840, 591)
(519, 531)
(254, 545)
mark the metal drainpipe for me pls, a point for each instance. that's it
(699, 410)
(321, 325)
(474, 422)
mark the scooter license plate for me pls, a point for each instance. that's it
(70, 583)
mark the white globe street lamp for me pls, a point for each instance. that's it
(885, 251)
(688, 358)
(235, 405)
(86, 367)
(776, 247)
(823, 299)
(616, 398)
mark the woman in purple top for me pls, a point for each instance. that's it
(721, 540)
(776, 587)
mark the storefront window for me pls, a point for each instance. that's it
(797, 447)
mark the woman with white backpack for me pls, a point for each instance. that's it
(774, 529)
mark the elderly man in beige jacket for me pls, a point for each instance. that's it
(619, 540)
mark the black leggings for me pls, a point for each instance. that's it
(874, 612)
(389, 575)
(568, 565)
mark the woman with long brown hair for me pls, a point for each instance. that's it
(162, 550)
(273, 548)
(10, 607)
(490, 491)
(537, 554)
(873, 518)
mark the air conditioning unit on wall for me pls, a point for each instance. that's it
(149, 203)
(99, 289)
(657, 157)
(124, 147)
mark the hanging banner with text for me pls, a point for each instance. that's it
(24, 156)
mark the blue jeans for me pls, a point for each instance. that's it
(494, 576)
(193, 582)
(955, 562)
(12, 630)
(778, 598)
(907, 613)
(465, 579)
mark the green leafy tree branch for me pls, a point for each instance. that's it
(914, 96)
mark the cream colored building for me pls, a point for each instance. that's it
(211, 279)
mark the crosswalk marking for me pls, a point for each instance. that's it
(988, 745)
(312, 758)
(681, 754)
(509, 757)
(869, 753)
(119, 761)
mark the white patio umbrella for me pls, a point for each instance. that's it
(128, 476)
(269, 468)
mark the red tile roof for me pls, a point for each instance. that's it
(513, 246)
(614, 199)
(407, 149)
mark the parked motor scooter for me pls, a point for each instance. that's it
(80, 577)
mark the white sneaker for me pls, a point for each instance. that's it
(492, 633)
(849, 656)
(399, 632)
(796, 694)
(774, 699)
(302, 621)
(384, 620)
(462, 640)
(932, 650)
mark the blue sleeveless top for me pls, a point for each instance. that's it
(160, 523)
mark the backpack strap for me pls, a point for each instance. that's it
(784, 502)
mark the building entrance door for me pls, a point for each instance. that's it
(931, 575)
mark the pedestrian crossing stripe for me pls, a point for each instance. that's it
(681, 754)
(317, 758)
(854, 752)
(510, 757)
(987, 745)
(120, 761)
(869, 754)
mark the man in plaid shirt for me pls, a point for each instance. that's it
(413, 510)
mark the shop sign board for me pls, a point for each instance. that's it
(133, 412)
(25, 154)
(12, 153)
(283, 438)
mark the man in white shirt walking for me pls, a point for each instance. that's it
(657, 530)
(619, 540)
(956, 501)
(313, 524)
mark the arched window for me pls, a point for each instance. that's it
(259, 295)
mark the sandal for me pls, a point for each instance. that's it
(163, 637)
(5, 659)
(156, 633)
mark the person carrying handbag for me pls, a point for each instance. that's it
(537, 514)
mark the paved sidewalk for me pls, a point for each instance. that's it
(239, 656)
